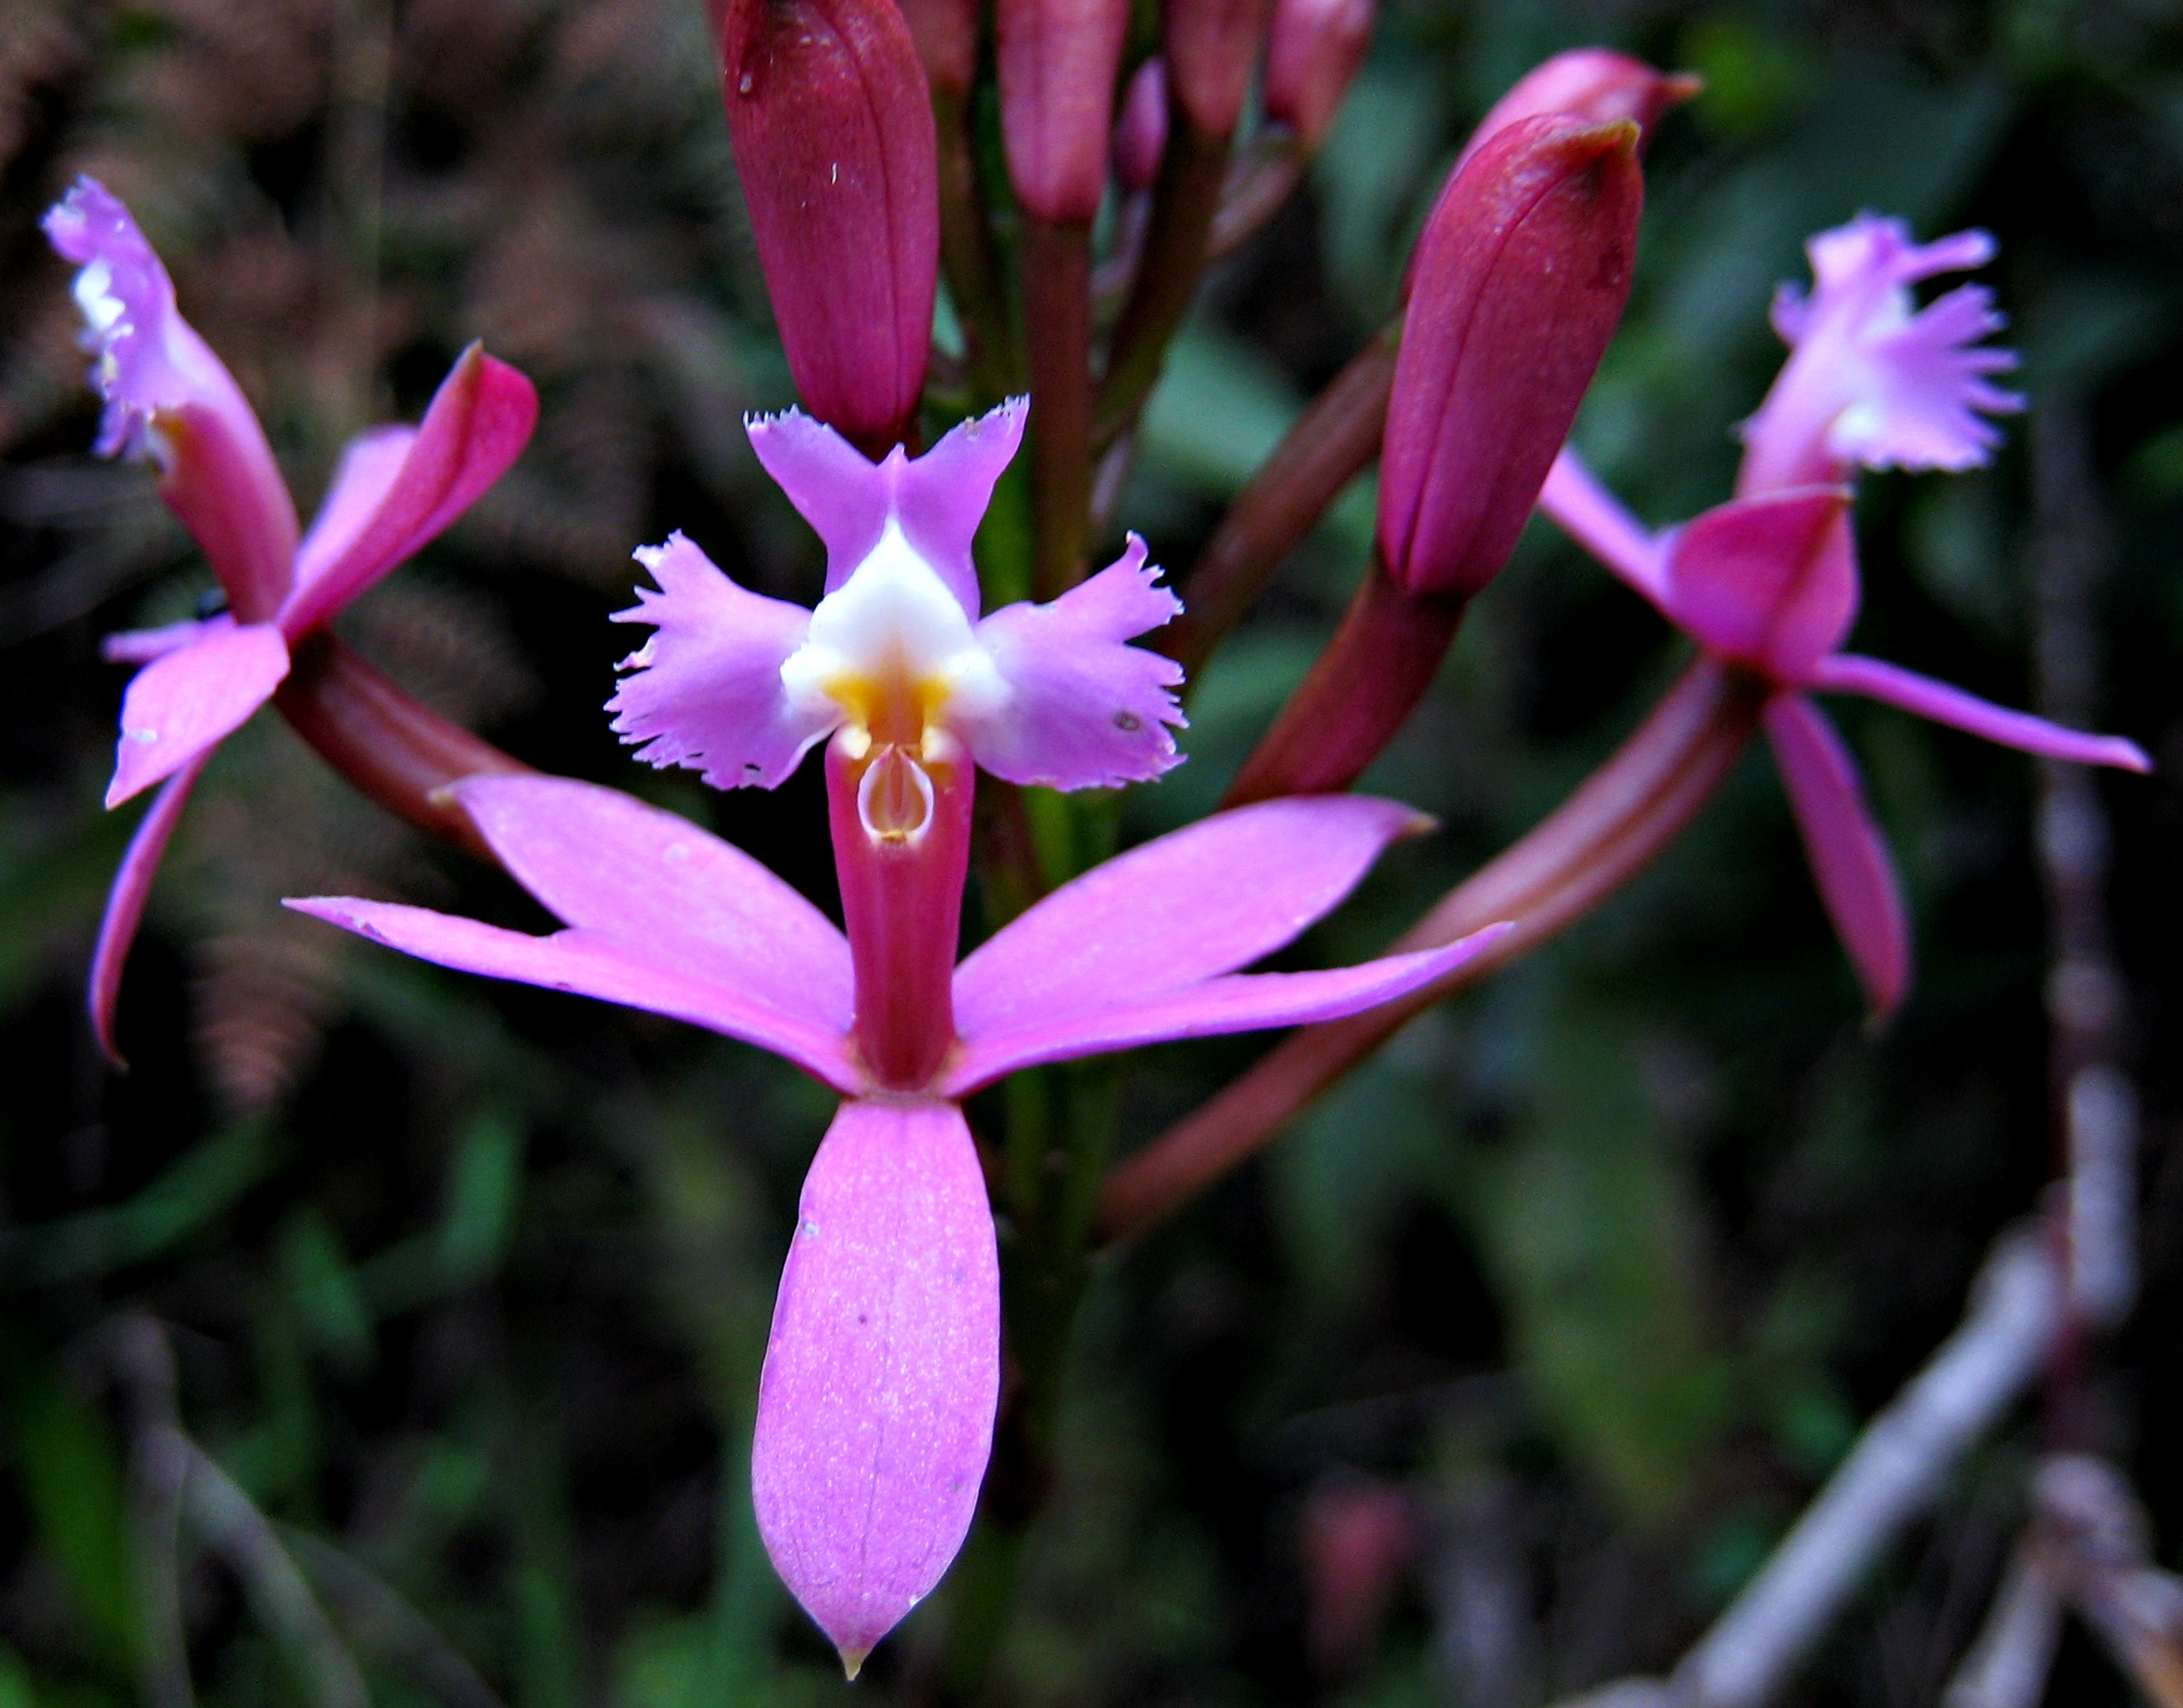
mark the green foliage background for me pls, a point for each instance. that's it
(466, 1285)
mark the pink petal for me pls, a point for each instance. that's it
(1239, 1002)
(1593, 516)
(1204, 900)
(185, 701)
(661, 887)
(167, 395)
(875, 1412)
(125, 901)
(479, 422)
(589, 963)
(1767, 583)
(362, 479)
(1084, 709)
(705, 688)
(1849, 858)
(1847, 672)
(939, 498)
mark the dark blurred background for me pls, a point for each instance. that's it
(1533, 1335)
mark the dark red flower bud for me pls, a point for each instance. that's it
(831, 119)
(1211, 48)
(1140, 134)
(1589, 83)
(1312, 50)
(1517, 283)
(1058, 63)
(946, 35)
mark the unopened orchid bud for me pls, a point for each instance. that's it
(1058, 61)
(947, 37)
(1312, 50)
(1211, 48)
(1520, 279)
(831, 119)
(1589, 83)
(1140, 134)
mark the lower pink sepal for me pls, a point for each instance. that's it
(875, 1412)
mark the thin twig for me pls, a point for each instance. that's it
(2007, 1666)
(1895, 1469)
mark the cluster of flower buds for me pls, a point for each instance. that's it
(850, 122)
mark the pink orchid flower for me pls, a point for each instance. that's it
(876, 1407)
(1769, 581)
(171, 399)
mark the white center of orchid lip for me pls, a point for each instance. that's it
(893, 653)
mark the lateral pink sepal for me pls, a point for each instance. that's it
(362, 479)
(1085, 710)
(1239, 1002)
(125, 901)
(479, 421)
(183, 702)
(590, 964)
(1848, 672)
(704, 690)
(1767, 583)
(1849, 857)
(875, 1411)
(654, 882)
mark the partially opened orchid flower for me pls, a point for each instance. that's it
(171, 399)
(876, 1407)
(1769, 581)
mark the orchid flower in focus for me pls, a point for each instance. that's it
(882, 1375)
(1769, 583)
(171, 399)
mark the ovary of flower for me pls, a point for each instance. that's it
(893, 657)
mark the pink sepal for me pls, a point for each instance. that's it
(125, 901)
(1085, 710)
(875, 1412)
(590, 964)
(1141, 133)
(1591, 84)
(938, 498)
(704, 690)
(140, 647)
(1846, 673)
(1593, 516)
(1848, 855)
(1767, 583)
(185, 701)
(1239, 1002)
(653, 881)
(1178, 910)
(479, 422)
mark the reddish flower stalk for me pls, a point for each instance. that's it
(387, 745)
(946, 32)
(1606, 833)
(1521, 274)
(1331, 442)
(831, 119)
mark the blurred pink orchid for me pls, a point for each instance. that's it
(882, 1375)
(1769, 581)
(171, 399)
